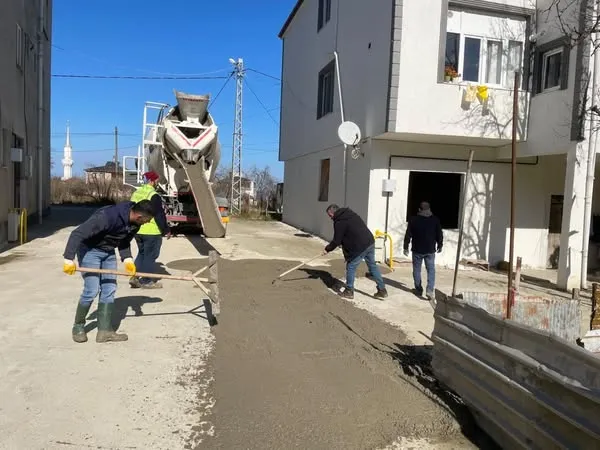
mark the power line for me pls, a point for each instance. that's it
(264, 74)
(212, 102)
(99, 150)
(261, 103)
(136, 77)
(89, 133)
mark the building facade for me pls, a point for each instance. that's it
(427, 81)
(25, 34)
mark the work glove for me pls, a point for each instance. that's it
(69, 267)
(406, 253)
(129, 266)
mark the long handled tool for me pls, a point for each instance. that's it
(297, 267)
(212, 291)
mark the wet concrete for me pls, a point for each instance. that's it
(295, 366)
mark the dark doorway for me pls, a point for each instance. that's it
(441, 190)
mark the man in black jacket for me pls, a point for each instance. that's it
(358, 243)
(425, 231)
(94, 243)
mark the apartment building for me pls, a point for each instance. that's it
(427, 81)
(25, 35)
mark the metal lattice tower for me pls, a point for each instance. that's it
(236, 160)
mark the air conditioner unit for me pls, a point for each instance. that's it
(16, 154)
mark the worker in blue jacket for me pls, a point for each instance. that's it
(94, 243)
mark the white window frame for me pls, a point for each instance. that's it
(503, 61)
(504, 42)
(545, 57)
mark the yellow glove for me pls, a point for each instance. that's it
(130, 266)
(69, 267)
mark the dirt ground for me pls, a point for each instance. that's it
(295, 366)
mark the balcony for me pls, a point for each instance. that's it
(464, 112)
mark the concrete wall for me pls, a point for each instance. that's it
(301, 205)
(487, 212)
(19, 105)
(364, 53)
(552, 113)
(427, 104)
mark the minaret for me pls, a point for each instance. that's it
(67, 161)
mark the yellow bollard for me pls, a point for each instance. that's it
(23, 226)
(380, 234)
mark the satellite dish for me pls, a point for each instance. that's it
(349, 133)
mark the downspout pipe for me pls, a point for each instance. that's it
(40, 121)
(433, 158)
(345, 162)
(591, 158)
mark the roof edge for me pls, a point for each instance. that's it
(290, 18)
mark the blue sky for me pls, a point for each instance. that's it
(150, 38)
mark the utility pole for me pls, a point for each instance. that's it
(236, 159)
(116, 153)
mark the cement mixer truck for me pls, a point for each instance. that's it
(181, 145)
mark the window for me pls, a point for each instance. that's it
(324, 13)
(324, 181)
(441, 190)
(494, 62)
(471, 59)
(551, 69)
(551, 66)
(326, 90)
(515, 59)
(452, 50)
(484, 48)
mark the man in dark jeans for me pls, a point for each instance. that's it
(425, 231)
(358, 243)
(94, 243)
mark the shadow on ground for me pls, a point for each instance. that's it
(135, 303)
(199, 243)
(415, 363)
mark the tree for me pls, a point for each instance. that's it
(265, 186)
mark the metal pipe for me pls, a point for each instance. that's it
(515, 116)
(40, 124)
(591, 161)
(387, 202)
(462, 220)
(345, 162)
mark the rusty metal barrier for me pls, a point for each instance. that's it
(527, 388)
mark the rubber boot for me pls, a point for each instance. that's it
(105, 331)
(81, 313)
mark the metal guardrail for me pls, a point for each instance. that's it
(527, 388)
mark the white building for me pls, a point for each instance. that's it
(418, 127)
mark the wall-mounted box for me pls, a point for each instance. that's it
(388, 186)
(16, 154)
